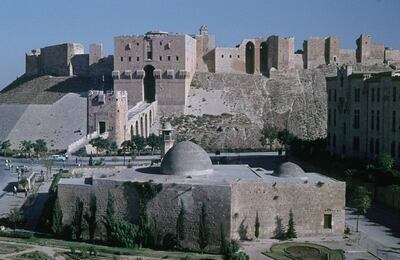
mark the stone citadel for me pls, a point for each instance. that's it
(180, 76)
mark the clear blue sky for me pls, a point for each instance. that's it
(28, 24)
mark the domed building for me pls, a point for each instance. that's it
(231, 195)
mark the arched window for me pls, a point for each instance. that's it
(250, 58)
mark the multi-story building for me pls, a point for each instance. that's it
(364, 113)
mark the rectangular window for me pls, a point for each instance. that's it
(372, 95)
(356, 143)
(329, 95)
(394, 121)
(356, 121)
(169, 58)
(129, 58)
(102, 127)
(357, 95)
(137, 58)
(334, 117)
(394, 94)
(372, 119)
(334, 95)
(122, 59)
(160, 58)
(377, 120)
(329, 117)
(378, 95)
(177, 58)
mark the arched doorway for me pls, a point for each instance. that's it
(137, 128)
(132, 133)
(250, 58)
(149, 84)
(263, 57)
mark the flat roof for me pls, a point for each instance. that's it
(223, 175)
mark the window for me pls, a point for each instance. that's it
(329, 117)
(377, 146)
(329, 139)
(343, 149)
(149, 49)
(356, 143)
(394, 94)
(137, 59)
(328, 221)
(334, 95)
(122, 59)
(357, 95)
(344, 129)
(378, 95)
(160, 43)
(129, 58)
(160, 58)
(371, 146)
(137, 44)
(329, 95)
(341, 81)
(372, 119)
(394, 121)
(230, 56)
(177, 58)
(372, 95)
(334, 117)
(393, 149)
(238, 56)
(356, 122)
(169, 58)
(377, 120)
(222, 56)
(334, 141)
(102, 127)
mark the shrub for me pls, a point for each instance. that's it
(124, 234)
(16, 234)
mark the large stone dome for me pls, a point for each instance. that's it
(186, 158)
(289, 169)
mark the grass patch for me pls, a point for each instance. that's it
(35, 255)
(11, 248)
(107, 250)
(292, 250)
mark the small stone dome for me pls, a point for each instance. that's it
(186, 158)
(289, 169)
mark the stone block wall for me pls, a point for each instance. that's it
(308, 201)
(314, 52)
(230, 60)
(392, 56)
(163, 209)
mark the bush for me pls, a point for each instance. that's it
(16, 234)
(124, 234)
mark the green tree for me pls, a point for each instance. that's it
(257, 226)
(395, 190)
(180, 224)
(204, 230)
(78, 219)
(5, 145)
(360, 200)
(285, 137)
(26, 147)
(139, 143)
(90, 216)
(40, 147)
(56, 220)
(100, 144)
(268, 134)
(124, 234)
(154, 142)
(385, 162)
(15, 216)
(109, 218)
(113, 147)
(291, 231)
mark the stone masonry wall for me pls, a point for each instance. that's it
(163, 209)
(308, 201)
